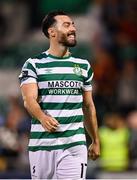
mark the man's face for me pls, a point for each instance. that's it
(65, 31)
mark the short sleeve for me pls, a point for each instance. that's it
(28, 73)
(87, 86)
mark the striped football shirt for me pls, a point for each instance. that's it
(61, 82)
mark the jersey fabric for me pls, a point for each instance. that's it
(61, 82)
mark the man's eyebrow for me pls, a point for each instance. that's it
(68, 22)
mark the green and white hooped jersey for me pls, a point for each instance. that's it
(60, 85)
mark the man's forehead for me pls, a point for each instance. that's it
(63, 18)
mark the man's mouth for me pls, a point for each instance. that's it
(71, 36)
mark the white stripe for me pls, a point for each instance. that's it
(44, 84)
(57, 141)
(64, 113)
(59, 70)
(41, 61)
(62, 98)
(61, 127)
(87, 88)
(77, 60)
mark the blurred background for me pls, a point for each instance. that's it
(107, 37)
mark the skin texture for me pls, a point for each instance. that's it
(61, 36)
(91, 124)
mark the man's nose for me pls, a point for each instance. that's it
(73, 28)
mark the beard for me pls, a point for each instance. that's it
(65, 41)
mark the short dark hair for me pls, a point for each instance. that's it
(49, 20)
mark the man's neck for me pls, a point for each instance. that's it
(58, 50)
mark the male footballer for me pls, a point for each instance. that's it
(57, 92)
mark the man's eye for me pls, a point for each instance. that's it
(66, 25)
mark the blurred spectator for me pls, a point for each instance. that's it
(132, 124)
(2, 29)
(114, 137)
(17, 117)
(112, 12)
(105, 73)
(98, 34)
(2, 120)
(127, 87)
(105, 83)
(14, 135)
(128, 23)
(14, 21)
(111, 15)
(126, 50)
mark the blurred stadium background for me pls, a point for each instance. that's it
(107, 37)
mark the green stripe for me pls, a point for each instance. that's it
(47, 135)
(68, 91)
(57, 57)
(60, 64)
(87, 83)
(29, 66)
(63, 120)
(90, 72)
(55, 77)
(40, 56)
(59, 106)
(49, 148)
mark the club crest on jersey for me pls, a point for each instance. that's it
(77, 70)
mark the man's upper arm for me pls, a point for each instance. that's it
(29, 91)
(28, 80)
(87, 98)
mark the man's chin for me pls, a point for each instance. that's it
(71, 44)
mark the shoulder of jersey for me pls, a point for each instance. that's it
(40, 56)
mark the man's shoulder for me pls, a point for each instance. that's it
(36, 58)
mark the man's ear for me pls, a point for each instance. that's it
(51, 32)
